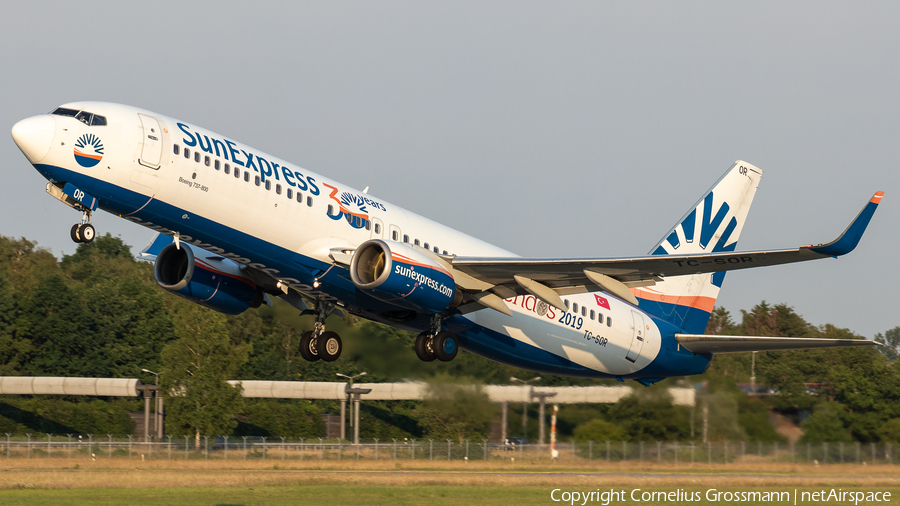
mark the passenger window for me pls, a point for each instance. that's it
(575, 308)
(256, 180)
(600, 317)
(435, 249)
(445, 252)
(206, 161)
(237, 172)
(368, 225)
(417, 242)
(187, 153)
(377, 228)
(566, 302)
(309, 201)
(197, 156)
(246, 177)
(268, 184)
(217, 164)
(299, 197)
(609, 321)
(592, 314)
(277, 188)
(177, 149)
(426, 246)
(290, 192)
(330, 209)
(227, 169)
(394, 235)
(583, 311)
(406, 238)
(84, 117)
(99, 121)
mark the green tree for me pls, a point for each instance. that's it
(457, 408)
(14, 350)
(194, 374)
(891, 341)
(720, 323)
(724, 424)
(597, 430)
(62, 332)
(824, 425)
(278, 418)
(649, 415)
(890, 431)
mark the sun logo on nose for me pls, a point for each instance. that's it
(88, 150)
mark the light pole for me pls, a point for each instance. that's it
(159, 404)
(525, 404)
(753, 374)
(344, 409)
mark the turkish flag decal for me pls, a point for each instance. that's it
(602, 302)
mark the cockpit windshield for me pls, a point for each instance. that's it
(88, 118)
(62, 111)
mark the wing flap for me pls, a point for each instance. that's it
(698, 343)
(567, 275)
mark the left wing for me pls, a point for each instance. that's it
(547, 278)
(736, 344)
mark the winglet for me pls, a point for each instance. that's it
(853, 233)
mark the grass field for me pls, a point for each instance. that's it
(64, 481)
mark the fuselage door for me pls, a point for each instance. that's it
(637, 340)
(151, 144)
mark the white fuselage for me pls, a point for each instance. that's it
(284, 220)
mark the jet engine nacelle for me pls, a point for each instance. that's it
(214, 282)
(399, 274)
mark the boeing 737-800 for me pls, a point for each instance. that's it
(236, 226)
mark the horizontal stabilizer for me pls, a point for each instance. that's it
(698, 343)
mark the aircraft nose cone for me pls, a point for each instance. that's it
(34, 136)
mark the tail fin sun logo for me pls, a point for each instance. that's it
(88, 150)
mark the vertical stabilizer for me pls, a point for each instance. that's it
(712, 225)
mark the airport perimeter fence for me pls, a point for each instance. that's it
(305, 449)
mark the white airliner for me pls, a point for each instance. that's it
(236, 225)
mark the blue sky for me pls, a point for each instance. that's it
(550, 129)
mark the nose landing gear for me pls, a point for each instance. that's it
(80, 201)
(84, 231)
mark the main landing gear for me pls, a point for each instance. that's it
(318, 343)
(84, 231)
(436, 344)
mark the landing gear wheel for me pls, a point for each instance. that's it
(309, 349)
(445, 346)
(74, 233)
(87, 233)
(425, 347)
(329, 346)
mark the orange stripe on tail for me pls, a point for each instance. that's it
(702, 303)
